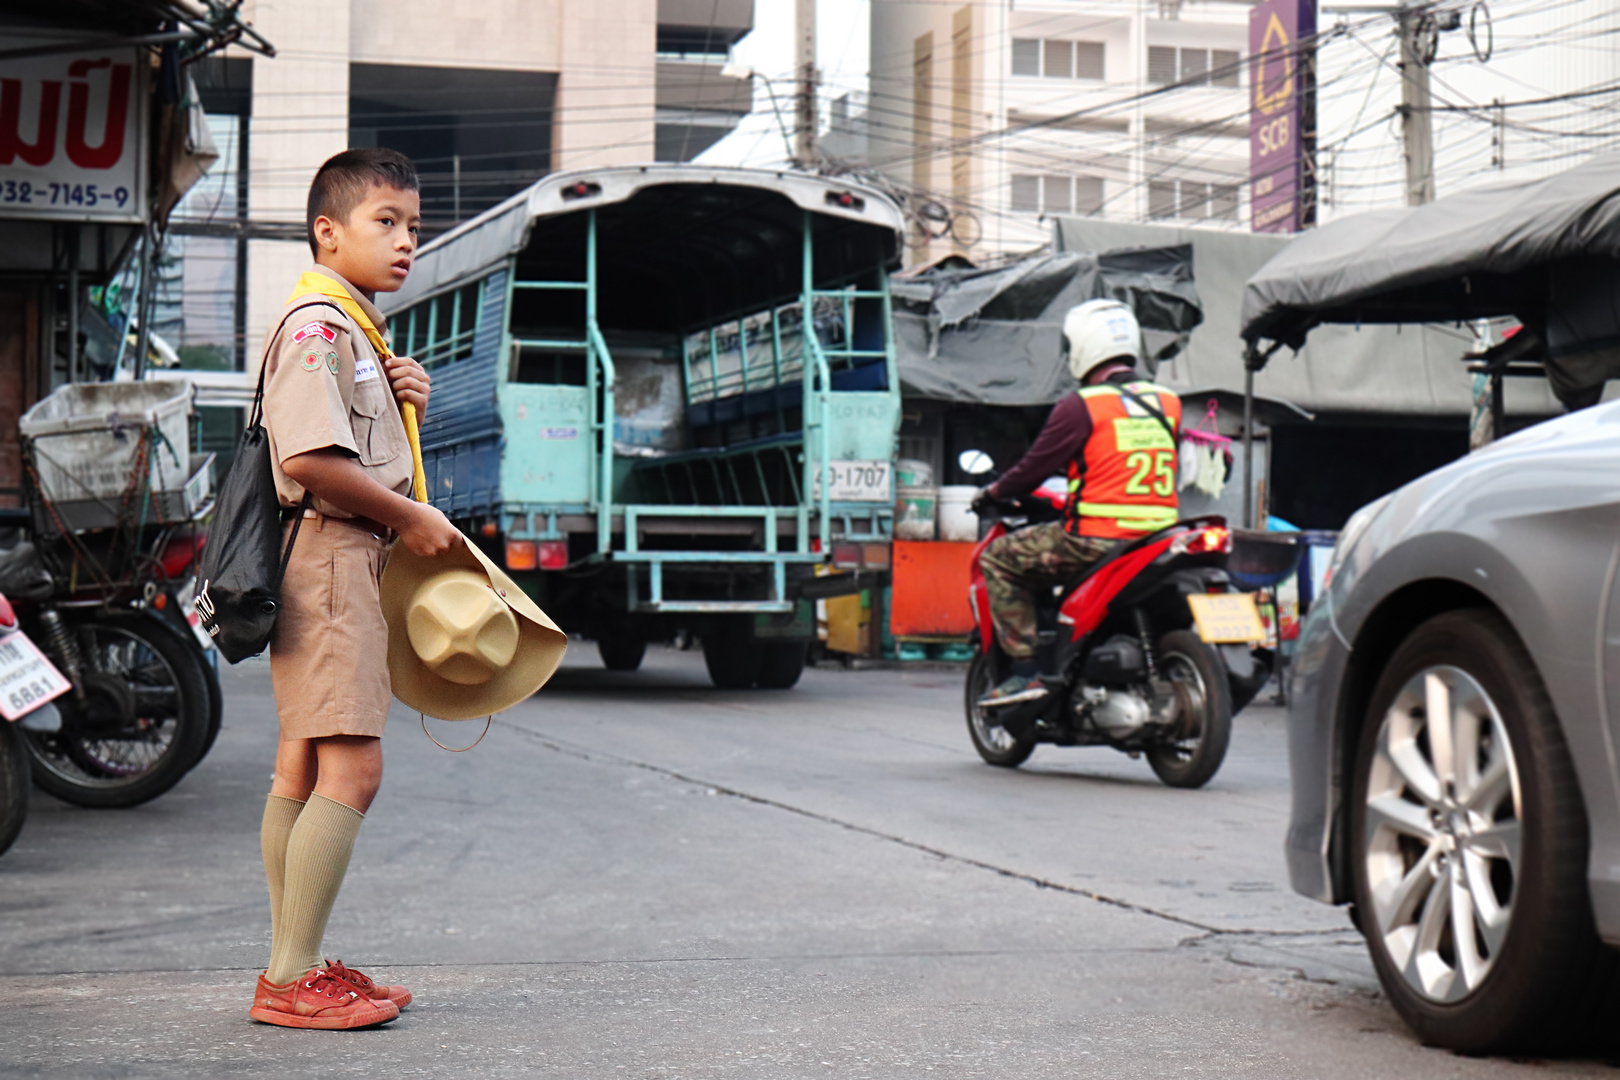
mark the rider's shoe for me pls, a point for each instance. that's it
(1015, 691)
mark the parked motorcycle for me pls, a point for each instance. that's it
(28, 684)
(143, 702)
(1121, 654)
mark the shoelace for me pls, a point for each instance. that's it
(356, 979)
(329, 985)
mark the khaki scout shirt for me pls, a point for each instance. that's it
(325, 387)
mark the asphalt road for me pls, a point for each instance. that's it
(639, 876)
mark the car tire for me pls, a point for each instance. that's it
(781, 664)
(621, 654)
(995, 744)
(1499, 834)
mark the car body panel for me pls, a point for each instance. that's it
(1532, 526)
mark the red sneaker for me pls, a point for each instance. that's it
(362, 982)
(318, 1000)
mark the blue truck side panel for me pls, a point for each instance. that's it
(462, 435)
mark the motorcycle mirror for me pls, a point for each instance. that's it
(975, 462)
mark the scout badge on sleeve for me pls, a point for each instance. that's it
(464, 641)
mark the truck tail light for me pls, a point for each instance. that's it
(553, 554)
(521, 555)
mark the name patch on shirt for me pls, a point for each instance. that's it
(313, 329)
(365, 369)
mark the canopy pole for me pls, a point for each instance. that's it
(1248, 437)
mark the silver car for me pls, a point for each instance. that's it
(1453, 739)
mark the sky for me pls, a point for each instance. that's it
(841, 52)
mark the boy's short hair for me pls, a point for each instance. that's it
(342, 182)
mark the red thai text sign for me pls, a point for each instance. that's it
(73, 136)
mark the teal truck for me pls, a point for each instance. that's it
(663, 397)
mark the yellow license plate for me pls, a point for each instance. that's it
(1226, 617)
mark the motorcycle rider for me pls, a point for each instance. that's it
(1116, 437)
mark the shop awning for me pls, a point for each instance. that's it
(1479, 253)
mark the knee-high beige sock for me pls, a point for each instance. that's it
(317, 858)
(279, 814)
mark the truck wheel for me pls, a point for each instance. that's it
(1469, 845)
(621, 654)
(782, 664)
(733, 657)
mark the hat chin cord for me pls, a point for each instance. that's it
(488, 720)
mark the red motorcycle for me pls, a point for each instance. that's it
(1121, 654)
(28, 684)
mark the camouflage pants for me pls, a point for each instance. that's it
(1022, 562)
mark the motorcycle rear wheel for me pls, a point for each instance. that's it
(995, 744)
(13, 783)
(141, 724)
(1194, 669)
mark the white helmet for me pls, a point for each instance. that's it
(1098, 331)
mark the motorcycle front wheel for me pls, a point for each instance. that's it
(136, 723)
(995, 744)
(1191, 755)
(13, 783)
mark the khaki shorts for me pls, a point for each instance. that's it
(329, 655)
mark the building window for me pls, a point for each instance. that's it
(1088, 194)
(1194, 200)
(1161, 65)
(1054, 194)
(1026, 194)
(1058, 60)
(1161, 198)
(1057, 195)
(1088, 59)
(1195, 67)
(1055, 58)
(1026, 56)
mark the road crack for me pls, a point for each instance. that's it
(602, 757)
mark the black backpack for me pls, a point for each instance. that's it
(239, 577)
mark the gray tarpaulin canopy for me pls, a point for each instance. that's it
(1495, 250)
(992, 336)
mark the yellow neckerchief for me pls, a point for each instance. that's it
(311, 283)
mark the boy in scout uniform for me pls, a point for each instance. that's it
(341, 460)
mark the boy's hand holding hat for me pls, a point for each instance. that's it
(464, 641)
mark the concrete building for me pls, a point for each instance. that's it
(486, 97)
(1017, 112)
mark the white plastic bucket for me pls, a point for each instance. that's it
(956, 520)
(909, 472)
(914, 513)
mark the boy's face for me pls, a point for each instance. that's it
(374, 248)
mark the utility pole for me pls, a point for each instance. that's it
(805, 61)
(1418, 39)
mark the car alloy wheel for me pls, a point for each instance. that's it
(1443, 821)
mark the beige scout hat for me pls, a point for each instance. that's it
(463, 640)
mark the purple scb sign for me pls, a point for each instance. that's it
(1276, 106)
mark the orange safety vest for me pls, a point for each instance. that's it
(1127, 487)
